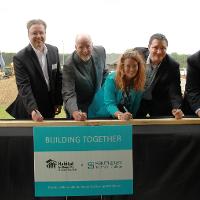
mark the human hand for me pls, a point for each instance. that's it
(57, 109)
(36, 116)
(79, 116)
(198, 113)
(124, 116)
(178, 113)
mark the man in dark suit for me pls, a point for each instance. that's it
(162, 95)
(38, 77)
(39, 82)
(192, 87)
(83, 74)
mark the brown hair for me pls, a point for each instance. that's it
(139, 79)
(158, 36)
(36, 21)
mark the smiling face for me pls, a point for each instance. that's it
(37, 36)
(84, 47)
(130, 68)
(157, 50)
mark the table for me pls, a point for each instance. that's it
(166, 157)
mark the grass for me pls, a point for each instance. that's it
(5, 115)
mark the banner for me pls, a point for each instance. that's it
(83, 160)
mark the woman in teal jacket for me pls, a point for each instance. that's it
(121, 93)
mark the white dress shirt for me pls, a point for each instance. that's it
(41, 55)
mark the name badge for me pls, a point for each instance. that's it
(54, 66)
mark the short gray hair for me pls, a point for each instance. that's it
(81, 36)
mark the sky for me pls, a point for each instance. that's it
(115, 24)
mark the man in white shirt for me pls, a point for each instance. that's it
(38, 77)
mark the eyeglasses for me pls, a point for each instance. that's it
(163, 49)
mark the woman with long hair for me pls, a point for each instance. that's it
(121, 93)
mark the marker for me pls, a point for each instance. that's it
(38, 113)
(178, 106)
(125, 109)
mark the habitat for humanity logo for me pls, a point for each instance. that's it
(60, 165)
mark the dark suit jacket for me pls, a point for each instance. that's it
(166, 92)
(32, 88)
(192, 87)
(75, 85)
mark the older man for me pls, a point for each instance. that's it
(162, 95)
(83, 74)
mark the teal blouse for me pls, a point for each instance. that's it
(105, 101)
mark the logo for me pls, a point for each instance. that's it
(67, 166)
(51, 163)
(107, 164)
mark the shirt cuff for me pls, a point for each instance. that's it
(196, 111)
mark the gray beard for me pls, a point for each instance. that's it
(85, 58)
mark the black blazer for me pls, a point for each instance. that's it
(32, 88)
(166, 92)
(192, 87)
(75, 85)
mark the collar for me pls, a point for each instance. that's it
(148, 62)
(38, 51)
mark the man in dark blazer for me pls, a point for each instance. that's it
(39, 82)
(38, 77)
(83, 74)
(162, 95)
(192, 87)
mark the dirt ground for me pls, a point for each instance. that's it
(8, 93)
(8, 90)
